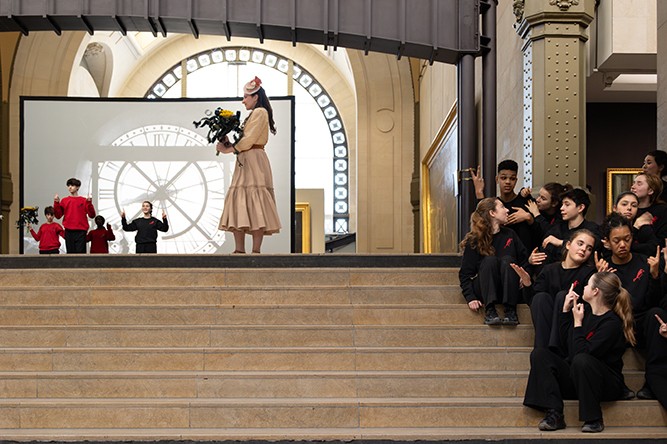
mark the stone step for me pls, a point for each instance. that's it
(23, 336)
(304, 413)
(310, 435)
(203, 295)
(274, 358)
(369, 384)
(247, 278)
(442, 314)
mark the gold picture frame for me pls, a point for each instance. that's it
(618, 181)
(302, 210)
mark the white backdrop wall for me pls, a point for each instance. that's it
(127, 151)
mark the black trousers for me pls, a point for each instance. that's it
(54, 251)
(497, 282)
(147, 248)
(75, 241)
(552, 379)
(544, 310)
(656, 353)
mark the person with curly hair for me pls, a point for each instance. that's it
(486, 276)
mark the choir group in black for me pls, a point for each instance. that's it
(593, 290)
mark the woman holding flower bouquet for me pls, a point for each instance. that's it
(250, 204)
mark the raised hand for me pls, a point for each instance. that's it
(663, 327)
(524, 277)
(553, 240)
(525, 192)
(164, 214)
(601, 264)
(532, 207)
(122, 214)
(56, 198)
(537, 257)
(654, 263)
(570, 299)
(477, 181)
(578, 314)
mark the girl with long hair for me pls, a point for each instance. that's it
(644, 239)
(250, 203)
(648, 188)
(554, 281)
(655, 162)
(486, 275)
(595, 336)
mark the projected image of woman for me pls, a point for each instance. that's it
(250, 203)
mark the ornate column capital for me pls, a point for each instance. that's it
(537, 12)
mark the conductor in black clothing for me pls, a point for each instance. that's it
(146, 227)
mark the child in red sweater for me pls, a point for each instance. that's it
(76, 211)
(49, 234)
(99, 238)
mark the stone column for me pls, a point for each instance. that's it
(662, 75)
(554, 33)
(8, 45)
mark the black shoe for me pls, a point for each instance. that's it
(627, 394)
(491, 317)
(511, 317)
(593, 426)
(554, 420)
(645, 393)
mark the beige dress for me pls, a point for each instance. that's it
(250, 203)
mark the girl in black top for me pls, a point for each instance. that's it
(640, 276)
(648, 189)
(545, 296)
(546, 208)
(644, 239)
(486, 276)
(655, 162)
(595, 337)
(146, 228)
(573, 209)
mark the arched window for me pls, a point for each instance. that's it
(321, 158)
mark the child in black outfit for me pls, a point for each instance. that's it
(146, 228)
(486, 275)
(595, 337)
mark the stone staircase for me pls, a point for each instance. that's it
(268, 353)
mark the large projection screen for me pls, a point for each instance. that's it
(126, 151)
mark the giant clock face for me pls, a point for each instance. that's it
(191, 191)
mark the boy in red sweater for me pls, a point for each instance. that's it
(49, 234)
(99, 238)
(76, 210)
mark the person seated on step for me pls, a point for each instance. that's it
(545, 208)
(653, 339)
(655, 162)
(648, 189)
(554, 282)
(573, 210)
(519, 219)
(640, 276)
(485, 276)
(644, 240)
(595, 336)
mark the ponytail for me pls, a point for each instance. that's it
(623, 309)
(617, 298)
